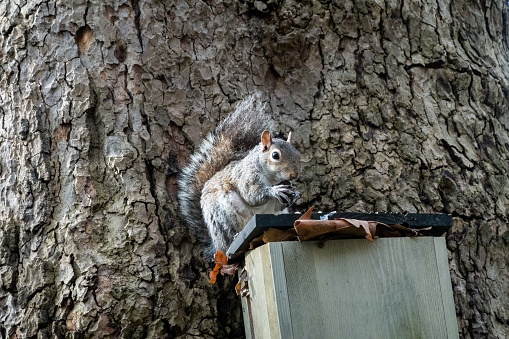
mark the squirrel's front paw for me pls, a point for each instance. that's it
(286, 194)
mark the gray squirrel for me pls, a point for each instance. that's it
(238, 171)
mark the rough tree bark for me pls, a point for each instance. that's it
(395, 106)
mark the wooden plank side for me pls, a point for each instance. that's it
(282, 305)
(356, 289)
(246, 316)
(444, 276)
(260, 318)
(249, 312)
(303, 293)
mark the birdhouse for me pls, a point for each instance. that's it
(391, 287)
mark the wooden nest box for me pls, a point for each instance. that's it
(350, 288)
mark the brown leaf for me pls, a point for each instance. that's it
(238, 287)
(213, 274)
(307, 215)
(256, 242)
(312, 229)
(220, 259)
(242, 291)
(274, 235)
(306, 228)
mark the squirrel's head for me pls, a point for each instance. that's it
(281, 157)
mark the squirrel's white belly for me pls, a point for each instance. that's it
(246, 212)
(272, 207)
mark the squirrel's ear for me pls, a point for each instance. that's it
(266, 140)
(289, 140)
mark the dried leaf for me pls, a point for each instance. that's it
(238, 287)
(275, 235)
(242, 291)
(313, 229)
(307, 215)
(213, 274)
(220, 259)
(229, 269)
(306, 228)
(256, 242)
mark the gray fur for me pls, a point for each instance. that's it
(243, 128)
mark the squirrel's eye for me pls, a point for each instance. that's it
(275, 155)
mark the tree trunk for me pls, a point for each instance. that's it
(395, 106)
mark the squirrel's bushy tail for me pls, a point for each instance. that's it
(231, 140)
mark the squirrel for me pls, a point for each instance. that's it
(238, 171)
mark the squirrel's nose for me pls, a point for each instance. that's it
(294, 175)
